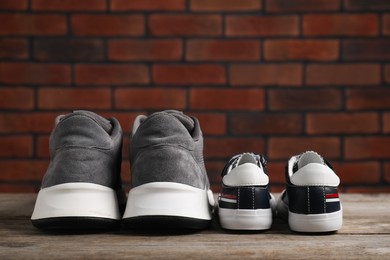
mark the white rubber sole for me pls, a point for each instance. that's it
(76, 200)
(245, 219)
(169, 199)
(325, 222)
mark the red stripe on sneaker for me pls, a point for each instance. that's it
(333, 195)
(228, 196)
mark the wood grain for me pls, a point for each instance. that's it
(365, 234)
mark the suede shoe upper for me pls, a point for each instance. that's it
(167, 146)
(85, 147)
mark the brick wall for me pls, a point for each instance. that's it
(272, 76)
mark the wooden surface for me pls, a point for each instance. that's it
(365, 234)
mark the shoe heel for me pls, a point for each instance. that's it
(245, 219)
(325, 222)
(170, 204)
(75, 205)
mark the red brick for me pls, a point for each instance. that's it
(310, 50)
(125, 174)
(185, 25)
(13, 5)
(358, 172)
(343, 74)
(340, 25)
(67, 98)
(125, 119)
(276, 188)
(386, 24)
(262, 25)
(266, 74)
(276, 172)
(373, 98)
(147, 5)
(211, 123)
(125, 147)
(227, 99)
(18, 188)
(223, 50)
(386, 122)
(215, 187)
(227, 147)
(22, 170)
(18, 98)
(68, 5)
(16, 146)
(214, 169)
(364, 5)
(342, 123)
(225, 5)
(387, 73)
(145, 50)
(42, 122)
(42, 146)
(32, 24)
(107, 25)
(265, 123)
(285, 147)
(387, 172)
(374, 50)
(34, 73)
(13, 48)
(188, 74)
(287, 6)
(150, 98)
(68, 50)
(367, 147)
(111, 74)
(304, 99)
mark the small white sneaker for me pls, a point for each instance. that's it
(244, 202)
(310, 202)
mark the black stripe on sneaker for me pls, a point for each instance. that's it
(252, 197)
(313, 199)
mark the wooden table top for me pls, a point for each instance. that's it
(365, 234)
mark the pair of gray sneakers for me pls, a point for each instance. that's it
(82, 187)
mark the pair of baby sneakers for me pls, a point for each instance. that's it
(310, 202)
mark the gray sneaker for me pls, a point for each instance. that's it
(170, 184)
(82, 187)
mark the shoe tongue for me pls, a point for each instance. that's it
(104, 123)
(309, 157)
